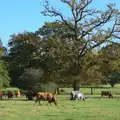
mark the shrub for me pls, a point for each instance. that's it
(45, 87)
(12, 89)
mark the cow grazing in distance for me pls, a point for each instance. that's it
(30, 95)
(80, 96)
(17, 94)
(106, 93)
(45, 96)
(10, 94)
(77, 95)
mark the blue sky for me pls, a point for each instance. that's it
(24, 15)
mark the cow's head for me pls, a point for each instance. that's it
(56, 102)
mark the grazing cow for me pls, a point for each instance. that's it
(77, 95)
(1, 94)
(106, 93)
(80, 96)
(10, 94)
(30, 95)
(17, 94)
(45, 96)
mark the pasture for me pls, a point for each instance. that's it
(91, 109)
(97, 90)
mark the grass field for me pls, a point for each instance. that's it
(97, 91)
(91, 109)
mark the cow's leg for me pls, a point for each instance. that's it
(49, 102)
(0, 97)
(80, 98)
(35, 101)
(112, 97)
(39, 103)
(26, 97)
(72, 96)
(83, 98)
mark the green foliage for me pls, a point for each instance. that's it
(2, 49)
(52, 29)
(30, 77)
(110, 57)
(4, 76)
(113, 78)
(22, 49)
(45, 87)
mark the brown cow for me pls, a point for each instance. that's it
(106, 93)
(45, 96)
(10, 94)
(17, 94)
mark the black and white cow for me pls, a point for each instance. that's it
(77, 95)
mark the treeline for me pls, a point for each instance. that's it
(67, 52)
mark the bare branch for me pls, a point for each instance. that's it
(53, 12)
(88, 21)
(67, 2)
(97, 23)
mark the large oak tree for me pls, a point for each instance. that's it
(88, 26)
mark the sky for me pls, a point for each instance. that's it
(25, 15)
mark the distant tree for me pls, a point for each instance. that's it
(113, 78)
(87, 26)
(110, 66)
(4, 76)
(22, 51)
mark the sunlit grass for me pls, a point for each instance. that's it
(97, 91)
(91, 109)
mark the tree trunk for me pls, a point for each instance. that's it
(112, 85)
(91, 90)
(58, 91)
(76, 85)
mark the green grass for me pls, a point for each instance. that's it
(97, 91)
(91, 109)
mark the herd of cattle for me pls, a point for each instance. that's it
(40, 96)
(9, 94)
(50, 97)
